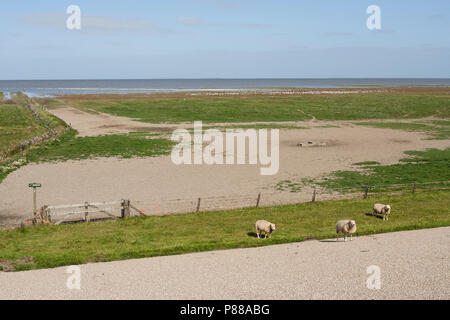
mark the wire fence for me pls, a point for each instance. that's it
(91, 211)
(310, 193)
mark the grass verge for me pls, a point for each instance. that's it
(52, 246)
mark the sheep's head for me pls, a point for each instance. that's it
(387, 208)
(352, 223)
(272, 227)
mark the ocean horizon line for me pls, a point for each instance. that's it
(81, 86)
(226, 78)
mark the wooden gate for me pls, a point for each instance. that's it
(88, 211)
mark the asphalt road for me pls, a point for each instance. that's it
(413, 265)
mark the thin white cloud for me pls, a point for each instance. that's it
(243, 25)
(438, 16)
(383, 31)
(337, 34)
(91, 23)
(45, 19)
(189, 21)
(298, 47)
(223, 4)
(115, 43)
(254, 25)
(115, 24)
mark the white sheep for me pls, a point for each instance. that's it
(382, 209)
(345, 226)
(266, 226)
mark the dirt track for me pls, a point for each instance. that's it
(91, 124)
(149, 182)
(413, 265)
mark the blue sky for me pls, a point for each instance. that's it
(224, 39)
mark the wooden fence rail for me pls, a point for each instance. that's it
(88, 211)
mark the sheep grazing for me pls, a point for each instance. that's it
(382, 209)
(345, 226)
(266, 226)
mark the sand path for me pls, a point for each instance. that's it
(413, 265)
(95, 124)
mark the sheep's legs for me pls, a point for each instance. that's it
(351, 239)
(337, 237)
(345, 237)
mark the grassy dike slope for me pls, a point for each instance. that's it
(17, 124)
(52, 246)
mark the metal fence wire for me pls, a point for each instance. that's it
(265, 199)
(308, 193)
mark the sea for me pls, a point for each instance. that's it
(57, 87)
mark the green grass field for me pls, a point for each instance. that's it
(70, 147)
(52, 246)
(258, 109)
(432, 165)
(429, 169)
(17, 124)
(438, 130)
(445, 123)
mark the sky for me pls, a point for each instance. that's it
(137, 39)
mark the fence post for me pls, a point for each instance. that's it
(86, 212)
(46, 213)
(34, 207)
(122, 209)
(366, 192)
(127, 208)
(314, 196)
(258, 199)
(198, 205)
(414, 188)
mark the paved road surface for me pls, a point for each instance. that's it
(413, 264)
